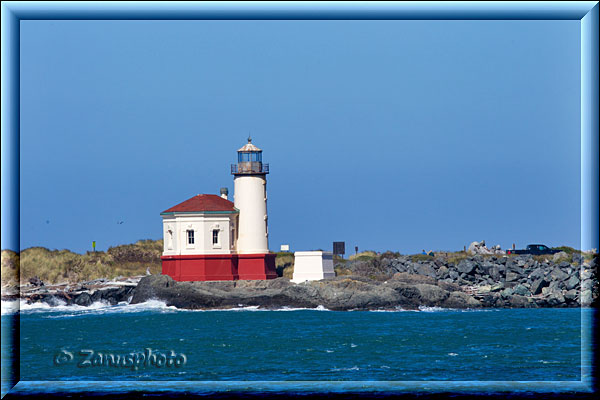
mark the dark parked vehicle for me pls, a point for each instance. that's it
(535, 249)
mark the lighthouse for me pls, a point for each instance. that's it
(250, 198)
(208, 237)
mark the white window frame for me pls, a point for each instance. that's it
(216, 245)
(188, 237)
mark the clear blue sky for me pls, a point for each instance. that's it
(388, 135)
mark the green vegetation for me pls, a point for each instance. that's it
(421, 257)
(567, 249)
(55, 266)
(457, 257)
(284, 264)
(363, 256)
(10, 268)
(390, 254)
(341, 270)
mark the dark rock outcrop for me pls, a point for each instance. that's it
(340, 293)
(401, 281)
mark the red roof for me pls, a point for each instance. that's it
(202, 203)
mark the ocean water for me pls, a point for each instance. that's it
(153, 342)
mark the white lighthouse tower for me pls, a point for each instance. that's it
(250, 198)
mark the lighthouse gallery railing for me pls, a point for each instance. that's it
(250, 168)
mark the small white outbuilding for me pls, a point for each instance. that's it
(312, 266)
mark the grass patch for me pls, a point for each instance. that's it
(363, 256)
(284, 264)
(567, 249)
(10, 268)
(340, 270)
(421, 257)
(541, 258)
(56, 266)
(390, 254)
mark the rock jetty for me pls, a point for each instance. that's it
(387, 281)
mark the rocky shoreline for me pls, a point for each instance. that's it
(82, 294)
(386, 282)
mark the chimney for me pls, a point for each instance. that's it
(224, 192)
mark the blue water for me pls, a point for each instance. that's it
(302, 345)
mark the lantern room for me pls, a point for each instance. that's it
(249, 161)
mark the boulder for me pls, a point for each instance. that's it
(497, 287)
(36, 281)
(572, 282)
(586, 298)
(495, 273)
(521, 291)
(537, 273)
(587, 284)
(559, 255)
(538, 285)
(564, 265)
(586, 274)
(460, 300)
(442, 272)
(426, 270)
(431, 295)
(512, 276)
(519, 301)
(571, 295)
(466, 267)
(556, 298)
(83, 299)
(558, 275)
(149, 287)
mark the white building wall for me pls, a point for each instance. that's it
(175, 229)
(312, 266)
(250, 197)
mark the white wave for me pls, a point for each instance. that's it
(285, 308)
(61, 310)
(10, 307)
(257, 308)
(354, 368)
(353, 345)
(438, 309)
(452, 354)
(395, 309)
(432, 309)
(99, 307)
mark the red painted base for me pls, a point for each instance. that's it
(219, 267)
(256, 266)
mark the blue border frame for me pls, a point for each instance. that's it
(14, 12)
